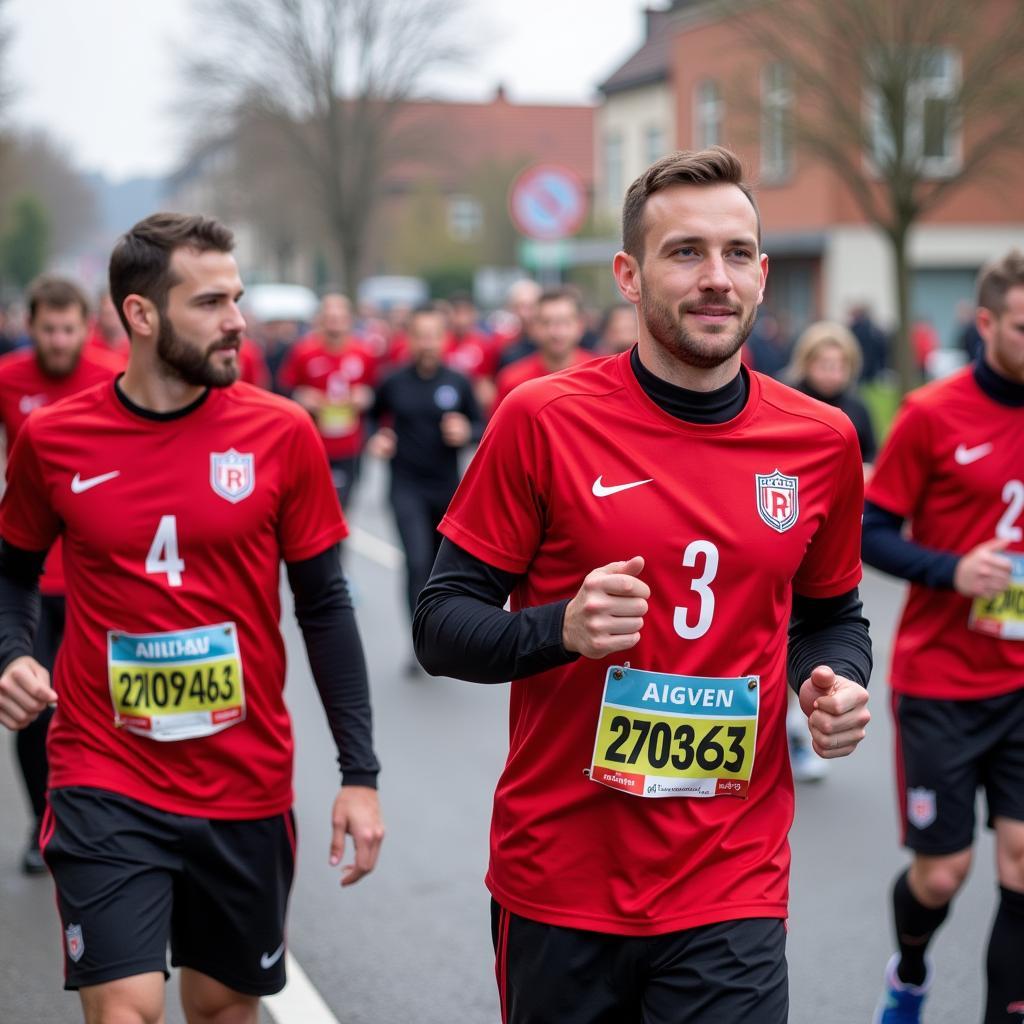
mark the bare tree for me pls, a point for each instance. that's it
(865, 73)
(328, 78)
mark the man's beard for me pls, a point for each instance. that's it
(192, 365)
(668, 331)
(58, 370)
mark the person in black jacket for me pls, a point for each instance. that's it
(428, 413)
(826, 362)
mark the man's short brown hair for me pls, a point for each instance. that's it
(141, 261)
(566, 294)
(714, 166)
(997, 278)
(57, 293)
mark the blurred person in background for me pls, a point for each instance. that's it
(769, 346)
(427, 414)
(252, 367)
(873, 342)
(825, 363)
(330, 373)
(559, 329)
(618, 329)
(107, 332)
(968, 338)
(521, 303)
(276, 339)
(469, 349)
(59, 363)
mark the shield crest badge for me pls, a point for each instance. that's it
(920, 806)
(778, 499)
(75, 942)
(232, 474)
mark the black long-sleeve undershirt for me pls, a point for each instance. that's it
(323, 609)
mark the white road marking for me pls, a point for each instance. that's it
(371, 546)
(298, 1002)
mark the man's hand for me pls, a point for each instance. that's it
(607, 613)
(836, 710)
(356, 812)
(983, 571)
(383, 444)
(456, 430)
(311, 399)
(25, 692)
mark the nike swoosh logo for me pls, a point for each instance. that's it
(78, 484)
(965, 456)
(601, 491)
(269, 959)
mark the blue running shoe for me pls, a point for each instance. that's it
(901, 1003)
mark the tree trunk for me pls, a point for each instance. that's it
(905, 358)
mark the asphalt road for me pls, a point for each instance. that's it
(411, 942)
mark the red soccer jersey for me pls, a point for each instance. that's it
(252, 367)
(24, 387)
(335, 373)
(580, 469)
(530, 368)
(473, 355)
(171, 673)
(118, 353)
(954, 466)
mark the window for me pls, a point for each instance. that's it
(465, 218)
(776, 104)
(709, 112)
(654, 143)
(932, 131)
(614, 176)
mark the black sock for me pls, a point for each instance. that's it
(915, 926)
(1006, 960)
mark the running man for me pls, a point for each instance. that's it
(59, 363)
(428, 414)
(177, 493)
(658, 517)
(954, 467)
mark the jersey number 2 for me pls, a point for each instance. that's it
(163, 552)
(1013, 495)
(701, 585)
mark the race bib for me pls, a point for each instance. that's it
(662, 735)
(179, 685)
(337, 419)
(1002, 615)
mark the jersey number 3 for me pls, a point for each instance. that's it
(163, 552)
(701, 586)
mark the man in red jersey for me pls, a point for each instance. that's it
(58, 364)
(469, 350)
(331, 375)
(107, 333)
(559, 328)
(954, 467)
(659, 517)
(177, 493)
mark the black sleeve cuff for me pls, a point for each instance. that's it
(462, 630)
(829, 631)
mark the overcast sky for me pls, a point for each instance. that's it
(99, 75)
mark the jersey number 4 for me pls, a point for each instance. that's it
(701, 586)
(163, 554)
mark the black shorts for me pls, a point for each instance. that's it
(131, 878)
(945, 750)
(717, 974)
